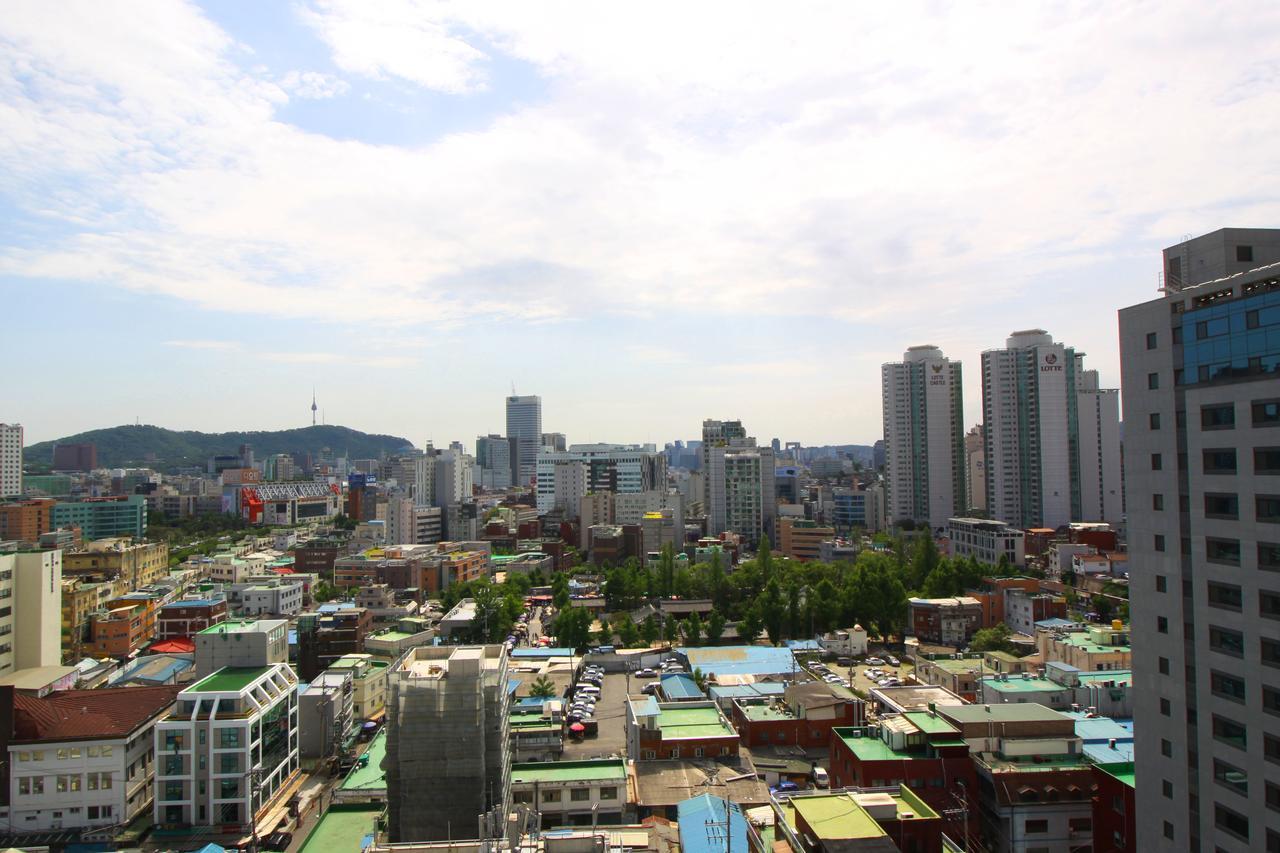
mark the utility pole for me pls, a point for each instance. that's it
(254, 777)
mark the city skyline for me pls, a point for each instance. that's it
(449, 200)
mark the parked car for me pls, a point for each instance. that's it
(647, 672)
(820, 777)
(892, 660)
(784, 787)
(650, 688)
(875, 661)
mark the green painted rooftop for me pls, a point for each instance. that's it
(612, 770)
(930, 724)
(953, 666)
(693, 723)
(872, 748)
(232, 626)
(1020, 711)
(231, 679)
(758, 713)
(391, 635)
(342, 829)
(1119, 676)
(836, 816)
(1018, 684)
(371, 777)
(1121, 770)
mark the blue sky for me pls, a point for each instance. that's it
(648, 214)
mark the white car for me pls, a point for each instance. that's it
(645, 673)
(875, 661)
(893, 661)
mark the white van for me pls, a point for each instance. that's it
(820, 777)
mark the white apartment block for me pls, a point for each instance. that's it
(410, 524)
(30, 610)
(84, 759)
(923, 399)
(1032, 394)
(631, 508)
(618, 468)
(278, 598)
(230, 743)
(986, 541)
(975, 469)
(743, 491)
(10, 460)
(1202, 460)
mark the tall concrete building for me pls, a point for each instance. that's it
(493, 462)
(10, 460)
(554, 441)
(739, 482)
(524, 431)
(1202, 471)
(30, 610)
(975, 468)
(1041, 472)
(448, 763)
(618, 468)
(923, 398)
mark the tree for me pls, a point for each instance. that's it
(605, 635)
(324, 591)
(628, 633)
(773, 611)
(699, 678)
(750, 625)
(994, 639)
(924, 560)
(573, 628)
(764, 559)
(715, 627)
(717, 581)
(542, 688)
(667, 570)
(650, 630)
(693, 630)
(671, 630)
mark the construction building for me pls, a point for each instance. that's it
(448, 755)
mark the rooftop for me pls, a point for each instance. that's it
(762, 712)
(1017, 712)
(681, 686)
(867, 746)
(930, 724)
(694, 816)
(1122, 770)
(88, 714)
(1018, 684)
(370, 777)
(233, 626)
(740, 660)
(693, 723)
(602, 770)
(342, 828)
(836, 816)
(231, 679)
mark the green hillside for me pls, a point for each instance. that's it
(157, 447)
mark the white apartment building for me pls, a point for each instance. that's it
(10, 460)
(568, 484)
(1032, 394)
(241, 643)
(83, 759)
(975, 468)
(618, 468)
(631, 508)
(743, 489)
(986, 541)
(524, 429)
(229, 744)
(923, 397)
(410, 524)
(30, 610)
(455, 477)
(1202, 473)
(278, 598)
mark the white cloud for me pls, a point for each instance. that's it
(314, 85)
(918, 172)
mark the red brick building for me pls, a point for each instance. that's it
(804, 716)
(1114, 827)
(185, 618)
(681, 730)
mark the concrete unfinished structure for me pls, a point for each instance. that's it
(448, 762)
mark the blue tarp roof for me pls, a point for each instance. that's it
(192, 602)
(741, 660)
(541, 653)
(804, 645)
(513, 684)
(696, 814)
(680, 686)
(1055, 622)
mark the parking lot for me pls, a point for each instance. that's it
(612, 720)
(857, 674)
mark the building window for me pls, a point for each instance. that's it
(1158, 542)
(522, 797)
(1166, 748)
(1223, 505)
(1162, 624)
(1218, 416)
(1035, 826)
(1267, 508)
(1269, 604)
(1220, 460)
(1224, 596)
(1166, 788)
(580, 795)
(1157, 462)
(608, 793)
(1231, 777)
(1224, 551)
(1270, 652)
(1230, 822)
(1163, 665)
(551, 796)
(1153, 381)
(1271, 700)
(1227, 686)
(1244, 254)
(1153, 420)
(1166, 707)
(229, 737)
(1266, 413)
(1273, 796)
(1168, 830)
(1151, 340)
(1266, 460)
(1157, 502)
(1226, 641)
(1229, 732)
(1161, 583)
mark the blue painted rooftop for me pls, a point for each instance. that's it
(680, 686)
(803, 645)
(541, 653)
(1101, 729)
(1102, 753)
(334, 608)
(193, 602)
(696, 814)
(740, 660)
(1055, 622)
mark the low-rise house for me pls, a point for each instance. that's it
(957, 675)
(678, 730)
(944, 621)
(241, 643)
(81, 760)
(880, 821)
(803, 716)
(845, 643)
(575, 793)
(189, 616)
(1064, 688)
(1114, 821)
(325, 714)
(1098, 648)
(368, 684)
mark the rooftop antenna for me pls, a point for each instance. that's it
(513, 388)
(313, 405)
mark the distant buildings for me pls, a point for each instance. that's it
(975, 467)
(75, 457)
(740, 484)
(923, 401)
(99, 518)
(493, 462)
(524, 433)
(565, 477)
(135, 564)
(10, 460)
(1052, 435)
(986, 541)
(801, 539)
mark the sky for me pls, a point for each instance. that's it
(648, 214)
